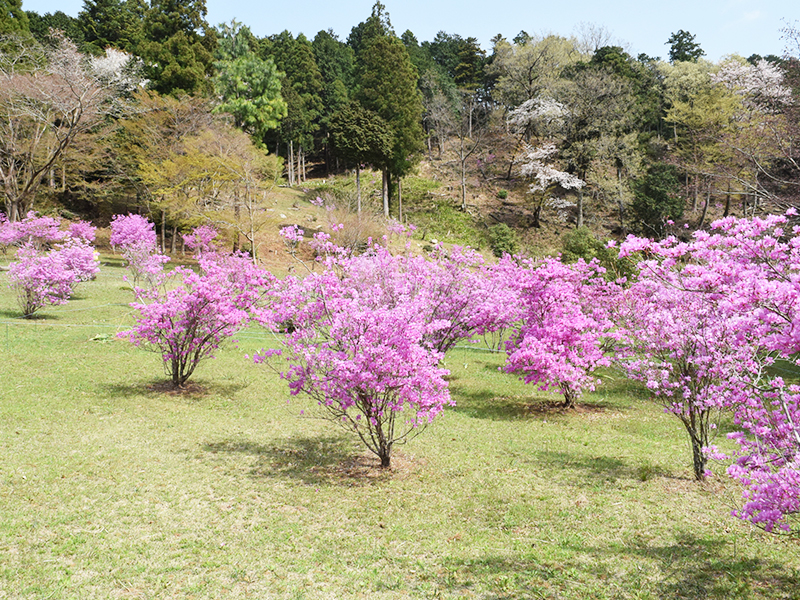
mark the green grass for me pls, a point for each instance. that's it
(111, 488)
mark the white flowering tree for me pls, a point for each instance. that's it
(535, 164)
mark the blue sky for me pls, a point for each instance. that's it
(721, 27)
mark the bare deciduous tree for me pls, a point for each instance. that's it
(47, 98)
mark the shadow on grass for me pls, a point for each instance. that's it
(693, 567)
(690, 568)
(485, 404)
(17, 316)
(163, 388)
(311, 460)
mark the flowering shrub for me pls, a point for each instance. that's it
(741, 279)
(564, 322)
(367, 335)
(188, 315)
(37, 232)
(40, 279)
(363, 360)
(136, 236)
(50, 262)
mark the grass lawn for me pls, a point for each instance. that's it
(112, 487)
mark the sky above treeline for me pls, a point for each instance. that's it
(721, 27)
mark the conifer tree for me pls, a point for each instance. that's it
(387, 85)
(13, 19)
(178, 47)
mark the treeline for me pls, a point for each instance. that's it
(583, 125)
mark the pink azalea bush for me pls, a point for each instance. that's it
(49, 262)
(364, 338)
(564, 324)
(40, 279)
(734, 293)
(37, 232)
(136, 237)
(186, 316)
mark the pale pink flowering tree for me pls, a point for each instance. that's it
(136, 237)
(564, 325)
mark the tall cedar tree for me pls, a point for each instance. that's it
(301, 88)
(360, 136)
(387, 85)
(335, 61)
(178, 47)
(111, 24)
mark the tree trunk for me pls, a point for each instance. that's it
(385, 192)
(163, 231)
(291, 163)
(358, 187)
(620, 202)
(705, 207)
(537, 211)
(579, 218)
(727, 201)
(400, 200)
(173, 242)
(570, 395)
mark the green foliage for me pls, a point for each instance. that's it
(335, 61)
(361, 136)
(111, 24)
(13, 19)
(683, 47)
(502, 194)
(249, 87)
(657, 199)
(177, 47)
(581, 243)
(387, 85)
(502, 240)
(301, 86)
(40, 26)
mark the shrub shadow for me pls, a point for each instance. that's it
(690, 568)
(164, 388)
(484, 404)
(693, 567)
(327, 460)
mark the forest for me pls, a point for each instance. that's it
(146, 107)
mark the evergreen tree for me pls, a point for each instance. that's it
(249, 87)
(301, 88)
(40, 26)
(387, 85)
(111, 24)
(360, 136)
(657, 199)
(335, 61)
(683, 48)
(178, 47)
(13, 19)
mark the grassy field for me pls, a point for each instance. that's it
(111, 487)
